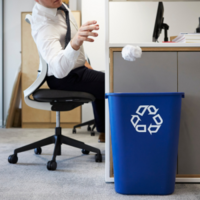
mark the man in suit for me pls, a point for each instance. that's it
(60, 43)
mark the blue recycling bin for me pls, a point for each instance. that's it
(145, 135)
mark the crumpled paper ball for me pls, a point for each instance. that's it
(130, 53)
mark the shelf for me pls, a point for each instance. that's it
(152, 0)
(153, 44)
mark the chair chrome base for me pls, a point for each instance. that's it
(88, 123)
(58, 139)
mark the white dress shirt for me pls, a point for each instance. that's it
(49, 29)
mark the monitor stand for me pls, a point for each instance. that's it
(166, 28)
(198, 29)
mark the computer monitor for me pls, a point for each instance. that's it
(159, 25)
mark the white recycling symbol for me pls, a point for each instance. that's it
(143, 128)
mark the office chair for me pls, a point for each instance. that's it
(54, 100)
(88, 123)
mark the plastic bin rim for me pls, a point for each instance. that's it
(146, 94)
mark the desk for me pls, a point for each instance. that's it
(162, 68)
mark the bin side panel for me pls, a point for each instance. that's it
(188, 82)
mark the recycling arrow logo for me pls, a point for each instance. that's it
(152, 128)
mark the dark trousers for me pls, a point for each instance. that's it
(83, 79)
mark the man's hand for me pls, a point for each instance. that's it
(83, 33)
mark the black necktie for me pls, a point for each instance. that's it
(68, 35)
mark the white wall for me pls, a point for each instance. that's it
(75, 4)
(12, 49)
(94, 10)
(79, 4)
(134, 22)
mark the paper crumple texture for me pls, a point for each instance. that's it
(130, 53)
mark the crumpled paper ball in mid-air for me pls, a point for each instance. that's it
(130, 53)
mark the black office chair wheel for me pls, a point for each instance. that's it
(98, 157)
(92, 133)
(38, 150)
(51, 165)
(89, 128)
(85, 152)
(13, 159)
(74, 131)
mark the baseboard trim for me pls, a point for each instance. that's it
(1, 124)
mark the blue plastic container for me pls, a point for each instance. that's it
(145, 134)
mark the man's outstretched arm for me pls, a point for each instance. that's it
(60, 61)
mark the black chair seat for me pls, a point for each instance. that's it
(48, 95)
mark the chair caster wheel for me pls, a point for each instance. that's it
(98, 157)
(13, 159)
(93, 134)
(85, 152)
(74, 131)
(38, 150)
(51, 165)
(89, 128)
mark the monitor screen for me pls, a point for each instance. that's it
(159, 21)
